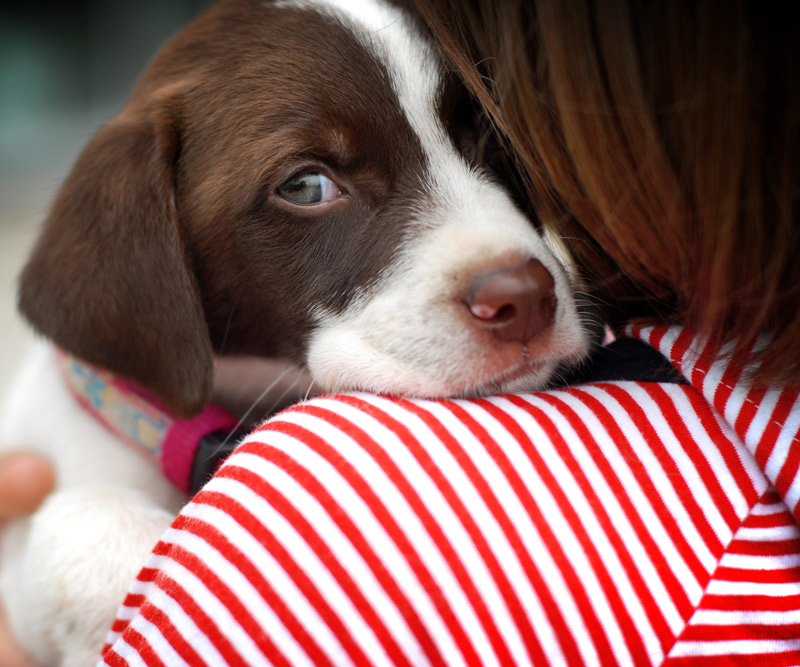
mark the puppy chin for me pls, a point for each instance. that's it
(523, 378)
(339, 365)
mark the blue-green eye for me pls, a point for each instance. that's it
(309, 189)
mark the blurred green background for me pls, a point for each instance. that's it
(65, 69)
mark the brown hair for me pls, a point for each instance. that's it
(665, 133)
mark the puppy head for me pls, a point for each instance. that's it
(289, 180)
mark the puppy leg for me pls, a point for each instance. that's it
(67, 568)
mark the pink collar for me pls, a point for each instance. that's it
(188, 451)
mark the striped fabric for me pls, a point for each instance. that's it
(622, 523)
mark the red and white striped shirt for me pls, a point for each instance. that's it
(613, 523)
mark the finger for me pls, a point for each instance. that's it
(10, 653)
(25, 480)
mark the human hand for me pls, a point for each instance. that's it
(25, 480)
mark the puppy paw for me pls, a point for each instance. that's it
(67, 568)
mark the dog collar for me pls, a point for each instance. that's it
(188, 450)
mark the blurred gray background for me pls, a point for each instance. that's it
(65, 69)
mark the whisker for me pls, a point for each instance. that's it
(227, 331)
(254, 404)
(278, 400)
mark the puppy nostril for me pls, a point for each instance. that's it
(506, 313)
(517, 303)
(490, 313)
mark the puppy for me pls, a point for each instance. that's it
(292, 180)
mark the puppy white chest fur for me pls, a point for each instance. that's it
(65, 570)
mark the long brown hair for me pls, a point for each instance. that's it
(666, 134)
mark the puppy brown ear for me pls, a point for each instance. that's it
(110, 279)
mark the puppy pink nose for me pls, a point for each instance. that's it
(516, 303)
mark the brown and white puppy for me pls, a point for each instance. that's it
(297, 180)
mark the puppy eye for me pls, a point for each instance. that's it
(309, 189)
